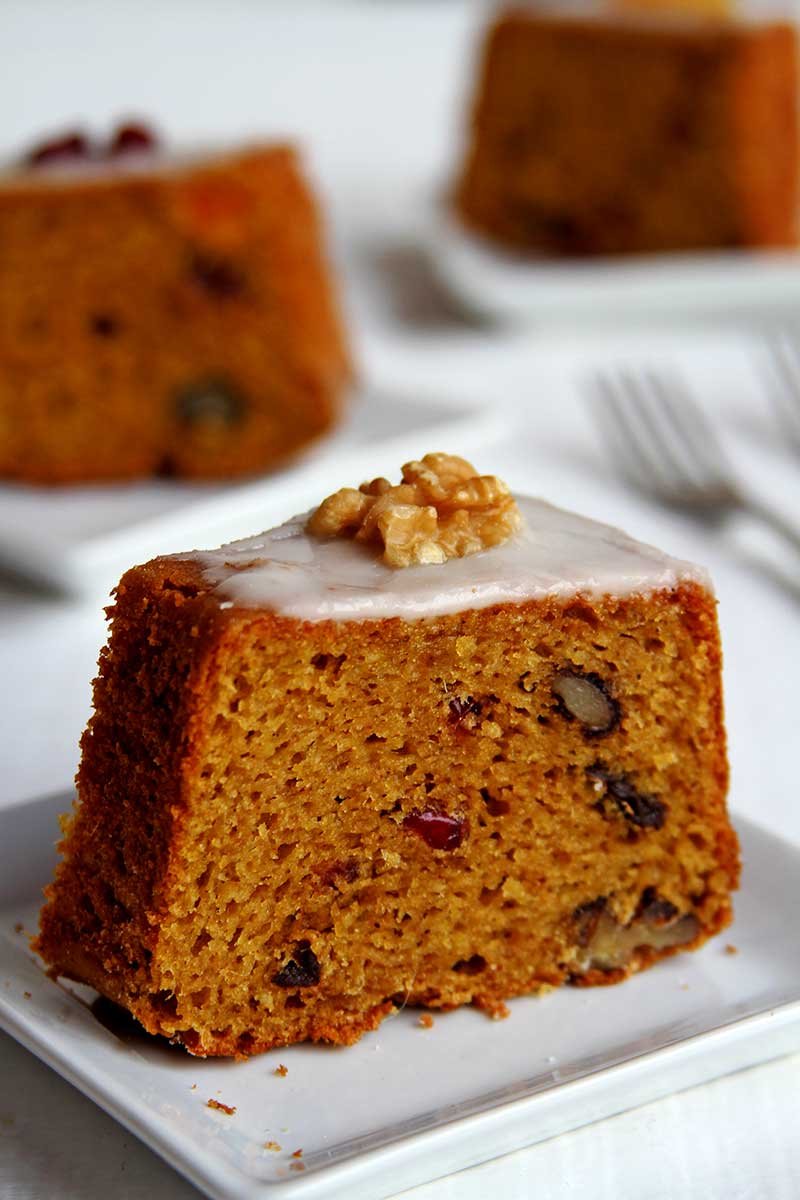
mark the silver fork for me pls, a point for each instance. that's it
(664, 446)
(782, 354)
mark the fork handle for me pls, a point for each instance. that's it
(776, 520)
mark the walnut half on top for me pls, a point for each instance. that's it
(442, 509)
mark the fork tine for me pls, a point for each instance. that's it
(663, 440)
(682, 474)
(660, 427)
(700, 450)
(665, 457)
(782, 356)
(600, 390)
(620, 433)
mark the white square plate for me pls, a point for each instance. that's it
(80, 539)
(501, 286)
(409, 1104)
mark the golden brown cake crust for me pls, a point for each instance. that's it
(286, 829)
(697, 149)
(180, 322)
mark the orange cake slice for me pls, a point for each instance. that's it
(433, 744)
(661, 128)
(162, 314)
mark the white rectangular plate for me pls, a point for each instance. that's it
(499, 285)
(79, 539)
(409, 1104)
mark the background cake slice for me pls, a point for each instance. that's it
(319, 784)
(603, 133)
(162, 314)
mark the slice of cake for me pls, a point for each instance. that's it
(432, 745)
(162, 314)
(597, 132)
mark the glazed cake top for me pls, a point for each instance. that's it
(555, 554)
(733, 15)
(133, 164)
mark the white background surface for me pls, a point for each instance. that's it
(374, 91)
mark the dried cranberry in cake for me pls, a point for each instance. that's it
(71, 147)
(339, 872)
(438, 829)
(585, 697)
(461, 708)
(655, 909)
(494, 806)
(210, 403)
(647, 812)
(475, 965)
(302, 970)
(586, 917)
(216, 274)
(132, 138)
(103, 325)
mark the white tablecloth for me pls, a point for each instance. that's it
(374, 90)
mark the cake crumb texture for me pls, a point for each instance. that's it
(287, 829)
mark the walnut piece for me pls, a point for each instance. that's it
(613, 944)
(607, 945)
(586, 698)
(442, 509)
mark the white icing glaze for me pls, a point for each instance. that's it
(556, 553)
(743, 14)
(133, 163)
